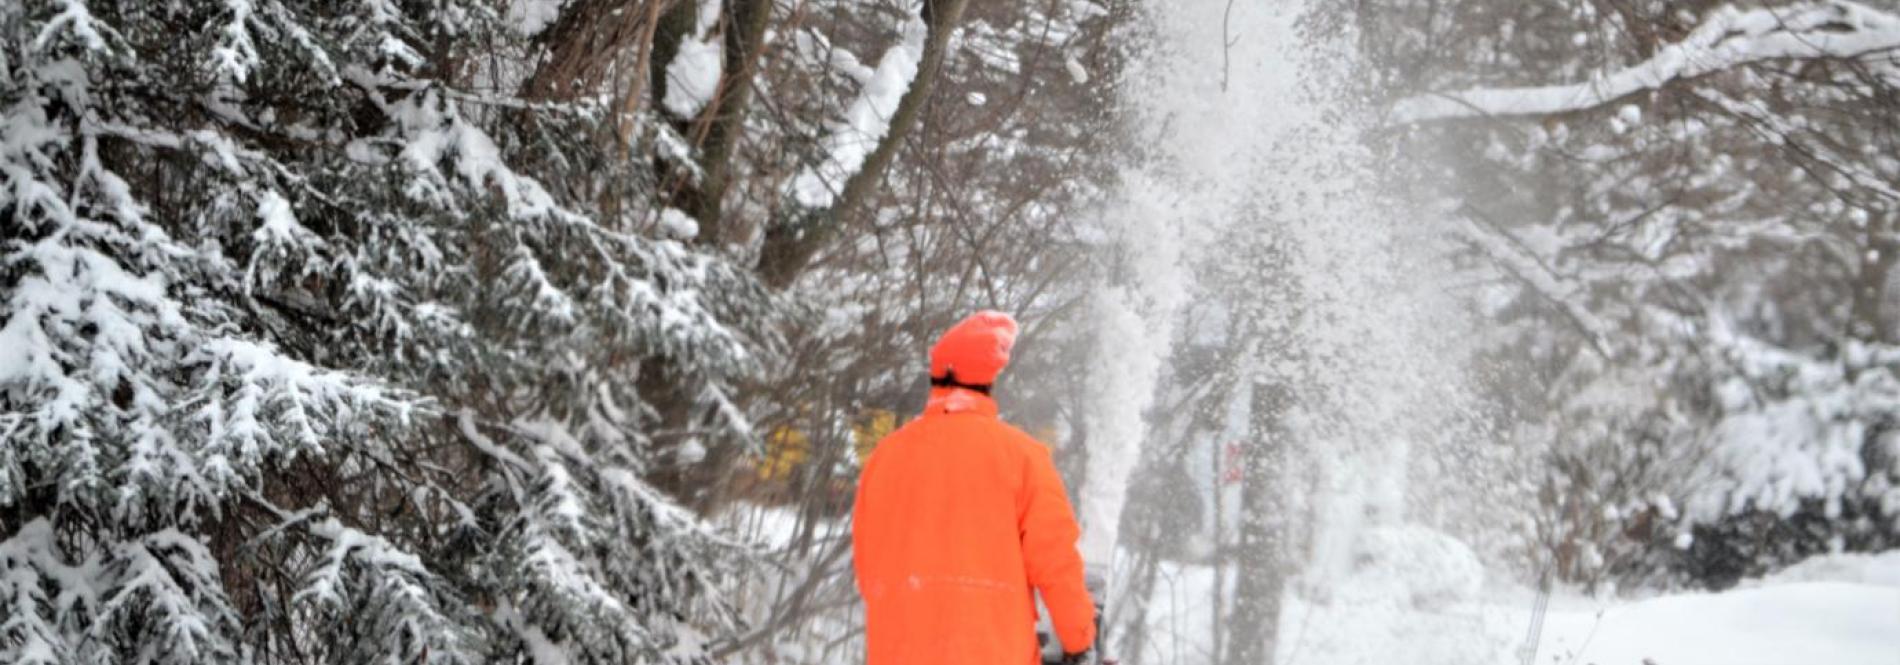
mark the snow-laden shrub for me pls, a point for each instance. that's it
(1413, 564)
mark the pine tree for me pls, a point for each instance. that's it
(320, 346)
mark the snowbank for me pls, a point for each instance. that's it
(1841, 609)
(1881, 569)
(1811, 622)
(1835, 610)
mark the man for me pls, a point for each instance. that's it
(958, 517)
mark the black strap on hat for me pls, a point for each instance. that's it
(949, 380)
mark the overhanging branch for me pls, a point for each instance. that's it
(1729, 39)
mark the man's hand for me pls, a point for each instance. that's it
(1083, 658)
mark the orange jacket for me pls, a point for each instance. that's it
(958, 517)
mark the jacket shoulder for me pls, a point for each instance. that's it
(1021, 439)
(993, 429)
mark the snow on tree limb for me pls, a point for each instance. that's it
(1558, 290)
(869, 117)
(790, 244)
(1730, 38)
(693, 75)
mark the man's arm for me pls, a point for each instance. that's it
(1049, 533)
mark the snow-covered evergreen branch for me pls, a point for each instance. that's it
(276, 294)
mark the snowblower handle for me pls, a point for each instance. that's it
(1097, 587)
(1090, 657)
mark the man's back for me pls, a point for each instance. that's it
(958, 517)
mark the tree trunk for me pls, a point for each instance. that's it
(1217, 537)
(1261, 567)
(1141, 587)
(1881, 251)
(791, 244)
(722, 123)
(588, 41)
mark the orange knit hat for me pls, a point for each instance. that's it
(976, 349)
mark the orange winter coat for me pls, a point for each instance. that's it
(958, 517)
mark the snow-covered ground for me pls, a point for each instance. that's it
(1837, 610)
(1839, 623)
(1419, 600)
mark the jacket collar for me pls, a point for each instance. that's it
(959, 400)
